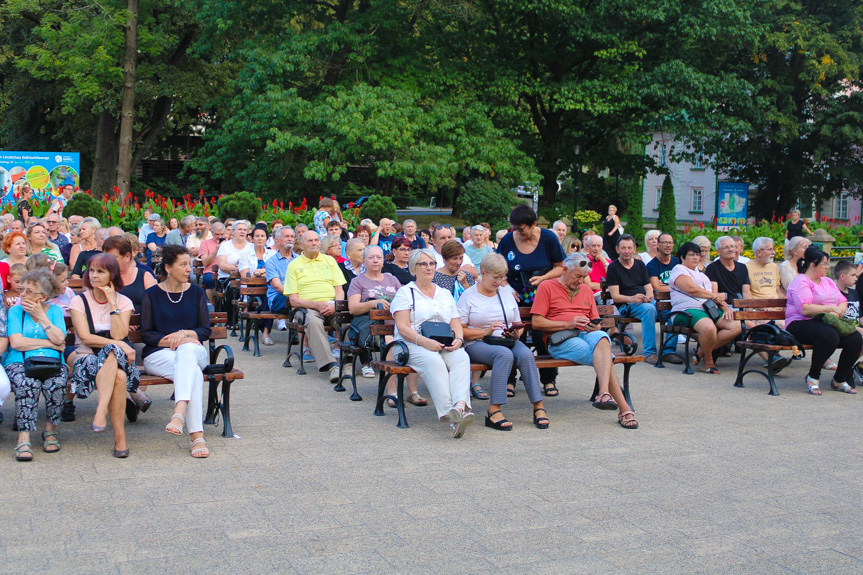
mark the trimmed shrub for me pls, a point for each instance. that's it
(378, 207)
(667, 221)
(82, 204)
(240, 206)
(634, 221)
(486, 201)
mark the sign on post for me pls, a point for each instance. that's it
(46, 172)
(733, 204)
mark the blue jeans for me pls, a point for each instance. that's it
(580, 348)
(646, 312)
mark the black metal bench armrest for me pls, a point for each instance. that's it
(216, 368)
(401, 358)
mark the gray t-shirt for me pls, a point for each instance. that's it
(374, 289)
(477, 311)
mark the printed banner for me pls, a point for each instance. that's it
(733, 204)
(46, 172)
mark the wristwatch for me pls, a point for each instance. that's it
(115, 312)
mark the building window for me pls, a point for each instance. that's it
(840, 207)
(696, 196)
(663, 153)
(699, 162)
(656, 198)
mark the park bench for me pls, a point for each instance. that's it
(216, 373)
(297, 332)
(668, 331)
(253, 296)
(765, 310)
(399, 369)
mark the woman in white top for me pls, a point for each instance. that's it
(651, 240)
(230, 252)
(252, 264)
(794, 250)
(489, 309)
(690, 288)
(445, 370)
(105, 360)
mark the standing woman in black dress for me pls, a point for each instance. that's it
(175, 323)
(795, 227)
(611, 232)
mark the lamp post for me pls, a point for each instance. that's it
(577, 150)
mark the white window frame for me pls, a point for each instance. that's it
(656, 198)
(840, 206)
(663, 153)
(698, 164)
(692, 195)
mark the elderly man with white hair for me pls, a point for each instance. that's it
(727, 275)
(598, 261)
(565, 311)
(559, 229)
(765, 284)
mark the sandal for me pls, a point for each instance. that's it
(603, 403)
(502, 424)
(627, 420)
(709, 370)
(268, 341)
(540, 422)
(173, 429)
(199, 452)
(550, 390)
(812, 388)
(415, 398)
(844, 388)
(23, 451)
(510, 390)
(54, 442)
(459, 420)
(478, 392)
(830, 365)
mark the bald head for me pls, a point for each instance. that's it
(311, 244)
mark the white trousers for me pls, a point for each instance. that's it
(446, 374)
(183, 367)
(5, 387)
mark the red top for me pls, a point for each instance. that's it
(4, 275)
(553, 302)
(597, 271)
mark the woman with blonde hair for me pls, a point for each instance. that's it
(704, 244)
(611, 232)
(38, 243)
(651, 241)
(570, 244)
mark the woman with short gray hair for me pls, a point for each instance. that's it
(488, 311)
(651, 241)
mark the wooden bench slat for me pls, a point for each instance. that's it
(759, 315)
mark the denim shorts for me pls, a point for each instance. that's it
(580, 348)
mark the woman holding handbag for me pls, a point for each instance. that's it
(815, 306)
(104, 359)
(706, 312)
(421, 308)
(37, 338)
(491, 323)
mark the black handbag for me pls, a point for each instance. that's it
(712, 310)
(439, 331)
(41, 367)
(508, 342)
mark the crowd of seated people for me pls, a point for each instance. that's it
(476, 284)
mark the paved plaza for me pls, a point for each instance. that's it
(716, 480)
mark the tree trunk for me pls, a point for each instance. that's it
(127, 111)
(105, 159)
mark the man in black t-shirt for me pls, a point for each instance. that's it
(629, 285)
(727, 275)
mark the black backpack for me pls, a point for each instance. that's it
(769, 334)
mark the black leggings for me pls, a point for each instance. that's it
(825, 340)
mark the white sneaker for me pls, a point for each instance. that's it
(337, 353)
(368, 371)
(334, 374)
(681, 339)
(281, 325)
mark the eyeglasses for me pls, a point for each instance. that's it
(426, 264)
(671, 243)
(27, 291)
(522, 229)
(404, 250)
(53, 222)
(496, 278)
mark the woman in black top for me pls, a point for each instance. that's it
(795, 227)
(611, 232)
(399, 266)
(175, 323)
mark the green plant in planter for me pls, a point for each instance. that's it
(240, 206)
(378, 207)
(85, 205)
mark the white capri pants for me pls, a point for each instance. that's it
(5, 387)
(446, 374)
(184, 367)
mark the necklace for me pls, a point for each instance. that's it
(167, 293)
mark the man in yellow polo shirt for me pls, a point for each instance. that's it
(313, 281)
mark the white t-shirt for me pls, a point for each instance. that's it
(439, 308)
(249, 260)
(680, 300)
(645, 257)
(227, 248)
(479, 312)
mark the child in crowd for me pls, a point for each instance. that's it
(12, 295)
(845, 273)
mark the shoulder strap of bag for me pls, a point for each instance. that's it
(505, 320)
(89, 315)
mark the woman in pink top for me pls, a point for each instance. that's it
(812, 293)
